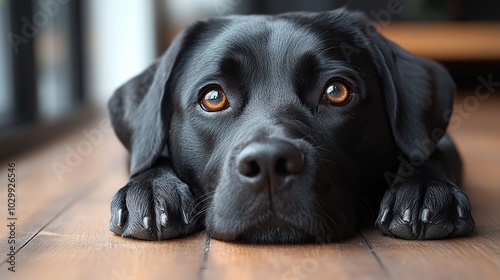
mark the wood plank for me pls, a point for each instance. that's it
(448, 41)
(350, 259)
(41, 196)
(78, 245)
(476, 257)
(462, 258)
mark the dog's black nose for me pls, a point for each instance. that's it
(271, 163)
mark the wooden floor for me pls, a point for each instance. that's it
(61, 228)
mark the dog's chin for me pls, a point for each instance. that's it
(275, 235)
(272, 231)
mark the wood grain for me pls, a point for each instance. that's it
(347, 260)
(41, 195)
(78, 245)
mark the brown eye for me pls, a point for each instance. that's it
(214, 99)
(336, 93)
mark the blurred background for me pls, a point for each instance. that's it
(60, 60)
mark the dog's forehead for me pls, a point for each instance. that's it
(263, 51)
(278, 39)
(258, 42)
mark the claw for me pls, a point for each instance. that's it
(407, 216)
(425, 215)
(384, 216)
(163, 219)
(185, 217)
(120, 217)
(461, 212)
(146, 223)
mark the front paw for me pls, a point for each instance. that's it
(425, 209)
(154, 205)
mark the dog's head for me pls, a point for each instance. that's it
(283, 126)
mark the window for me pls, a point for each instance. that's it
(41, 81)
(55, 59)
(6, 97)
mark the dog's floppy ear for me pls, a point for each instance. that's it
(418, 95)
(138, 113)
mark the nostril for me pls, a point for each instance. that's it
(249, 168)
(281, 166)
(293, 163)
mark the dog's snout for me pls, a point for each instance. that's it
(272, 164)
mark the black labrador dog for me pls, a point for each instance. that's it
(286, 129)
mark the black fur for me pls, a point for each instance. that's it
(278, 165)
